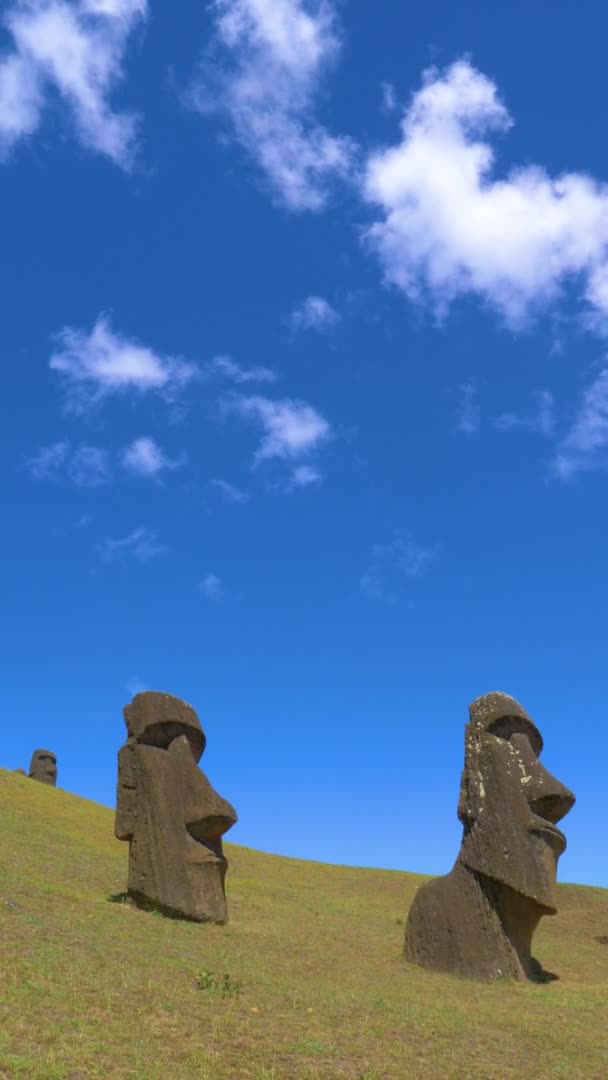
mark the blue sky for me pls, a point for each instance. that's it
(305, 411)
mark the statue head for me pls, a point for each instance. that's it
(43, 767)
(169, 811)
(509, 803)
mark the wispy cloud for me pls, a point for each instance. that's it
(104, 362)
(468, 412)
(212, 588)
(226, 367)
(389, 96)
(89, 466)
(269, 59)
(135, 685)
(449, 228)
(49, 460)
(540, 422)
(86, 466)
(144, 457)
(304, 476)
(393, 564)
(585, 446)
(140, 545)
(75, 50)
(230, 492)
(313, 313)
(291, 428)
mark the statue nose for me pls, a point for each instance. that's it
(550, 799)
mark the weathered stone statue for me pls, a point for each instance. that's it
(43, 767)
(479, 919)
(168, 811)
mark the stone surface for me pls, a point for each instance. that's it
(168, 811)
(43, 767)
(479, 919)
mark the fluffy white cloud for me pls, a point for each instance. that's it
(392, 562)
(314, 313)
(86, 466)
(451, 227)
(226, 367)
(103, 362)
(270, 58)
(76, 50)
(144, 457)
(586, 444)
(141, 545)
(211, 587)
(291, 428)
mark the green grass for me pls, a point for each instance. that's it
(305, 981)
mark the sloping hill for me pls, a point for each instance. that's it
(306, 980)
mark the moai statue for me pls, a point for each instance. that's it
(479, 919)
(168, 811)
(43, 767)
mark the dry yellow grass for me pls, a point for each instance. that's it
(305, 981)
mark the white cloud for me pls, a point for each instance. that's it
(89, 466)
(86, 466)
(450, 227)
(541, 422)
(401, 558)
(291, 428)
(75, 50)
(141, 545)
(229, 369)
(271, 56)
(212, 588)
(314, 313)
(586, 444)
(144, 457)
(103, 362)
(389, 96)
(304, 476)
(230, 492)
(49, 460)
(469, 417)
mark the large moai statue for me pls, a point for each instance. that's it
(169, 812)
(43, 767)
(479, 919)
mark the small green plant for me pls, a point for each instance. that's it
(206, 980)
(210, 982)
(231, 987)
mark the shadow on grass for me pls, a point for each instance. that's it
(143, 904)
(539, 975)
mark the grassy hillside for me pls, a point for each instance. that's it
(306, 980)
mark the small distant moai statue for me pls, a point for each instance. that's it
(20, 772)
(43, 767)
(479, 919)
(170, 814)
